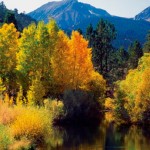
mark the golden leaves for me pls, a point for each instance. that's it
(136, 88)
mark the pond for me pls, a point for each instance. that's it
(104, 137)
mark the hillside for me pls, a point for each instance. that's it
(71, 14)
(128, 30)
(22, 20)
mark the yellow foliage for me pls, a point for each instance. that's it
(136, 89)
(72, 65)
(109, 103)
(9, 46)
(36, 47)
(2, 87)
(26, 122)
(32, 123)
(27, 50)
(8, 100)
(35, 93)
(63, 63)
(97, 84)
(19, 99)
(8, 49)
(109, 116)
(52, 29)
(11, 101)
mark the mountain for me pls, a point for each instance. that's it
(67, 12)
(71, 15)
(21, 20)
(144, 15)
(128, 30)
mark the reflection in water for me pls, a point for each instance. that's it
(135, 139)
(104, 137)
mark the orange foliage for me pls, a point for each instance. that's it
(81, 66)
(72, 64)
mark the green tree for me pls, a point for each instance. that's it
(36, 47)
(101, 41)
(10, 18)
(90, 34)
(80, 31)
(119, 65)
(146, 48)
(27, 51)
(122, 55)
(2, 11)
(44, 51)
(135, 52)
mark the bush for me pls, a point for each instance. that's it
(26, 125)
(7, 114)
(97, 85)
(33, 123)
(81, 106)
(55, 108)
(133, 94)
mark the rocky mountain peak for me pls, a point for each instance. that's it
(70, 0)
(144, 15)
(67, 13)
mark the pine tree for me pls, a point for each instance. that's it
(10, 18)
(146, 48)
(100, 40)
(90, 35)
(135, 52)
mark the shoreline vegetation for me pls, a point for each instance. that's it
(48, 78)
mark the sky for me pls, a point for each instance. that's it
(122, 8)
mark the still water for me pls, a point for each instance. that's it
(104, 137)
